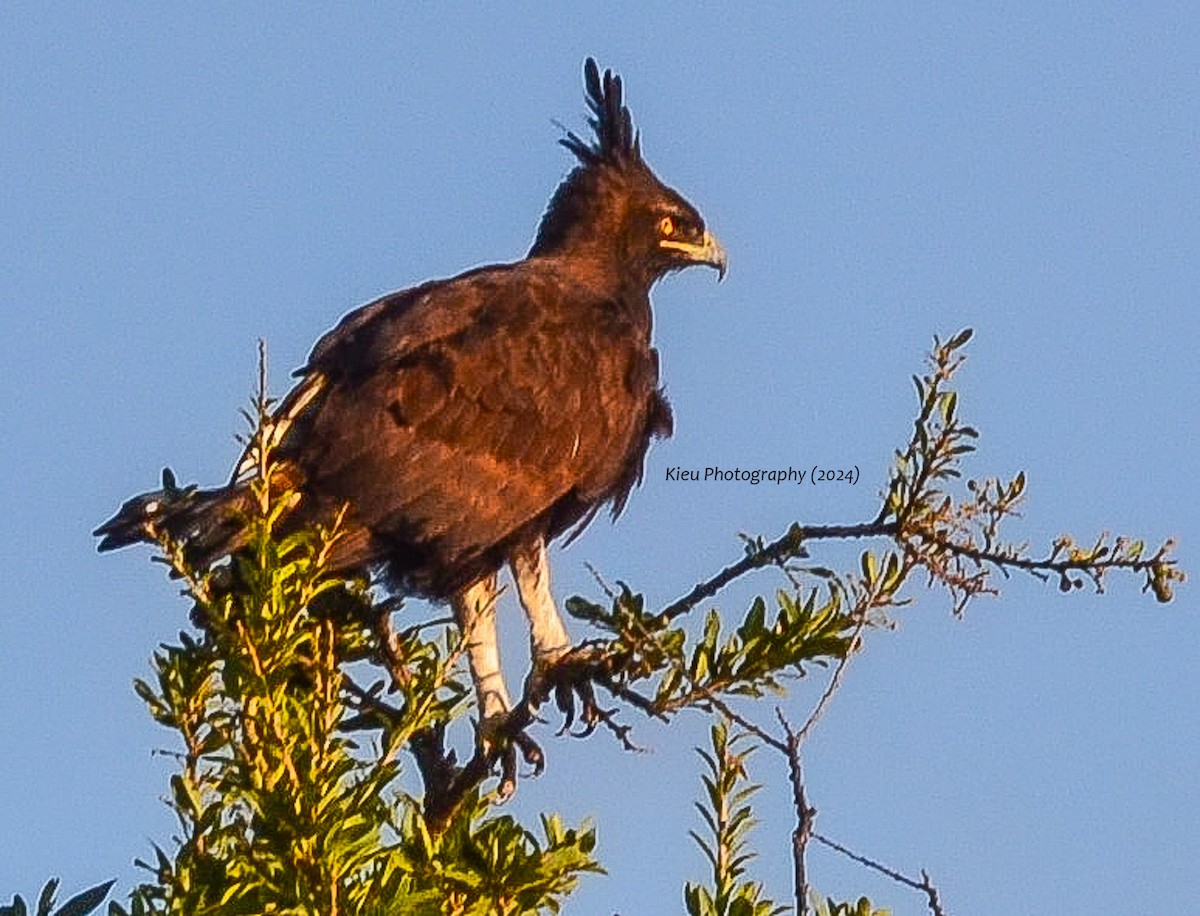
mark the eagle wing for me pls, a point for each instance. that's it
(459, 417)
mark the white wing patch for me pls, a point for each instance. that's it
(277, 428)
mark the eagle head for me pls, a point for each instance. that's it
(612, 209)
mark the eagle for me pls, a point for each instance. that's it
(464, 424)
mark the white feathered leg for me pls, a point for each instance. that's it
(551, 647)
(548, 639)
(475, 612)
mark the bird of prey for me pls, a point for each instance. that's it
(466, 423)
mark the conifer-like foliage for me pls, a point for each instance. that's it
(729, 818)
(314, 720)
(80, 905)
(285, 803)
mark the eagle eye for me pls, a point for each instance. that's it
(666, 227)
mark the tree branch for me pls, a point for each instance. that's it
(925, 885)
(788, 547)
(805, 815)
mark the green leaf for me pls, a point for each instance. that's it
(84, 903)
(46, 898)
(870, 567)
(960, 339)
(949, 402)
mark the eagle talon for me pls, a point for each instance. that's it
(490, 733)
(594, 717)
(564, 699)
(508, 774)
(568, 676)
(500, 740)
(531, 751)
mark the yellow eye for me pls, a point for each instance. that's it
(666, 227)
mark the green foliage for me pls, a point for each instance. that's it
(642, 644)
(830, 907)
(276, 811)
(956, 538)
(281, 808)
(753, 658)
(295, 698)
(729, 817)
(490, 865)
(79, 905)
(811, 627)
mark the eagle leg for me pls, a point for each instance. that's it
(475, 612)
(548, 639)
(550, 645)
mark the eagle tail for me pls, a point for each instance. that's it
(209, 524)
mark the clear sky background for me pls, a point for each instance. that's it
(175, 185)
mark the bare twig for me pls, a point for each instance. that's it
(835, 679)
(805, 816)
(925, 885)
(1049, 564)
(604, 586)
(756, 730)
(789, 546)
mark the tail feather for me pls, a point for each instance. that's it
(209, 523)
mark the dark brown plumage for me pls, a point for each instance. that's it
(468, 420)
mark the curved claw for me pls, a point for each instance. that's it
(586, 731)
(508, 773)
(531, 751)
(500, 740)
(594, 718)
(592, 714)
(564, 699)
(569, 678)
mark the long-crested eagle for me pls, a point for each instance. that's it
(466, 423)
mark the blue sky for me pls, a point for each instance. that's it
(177, 184)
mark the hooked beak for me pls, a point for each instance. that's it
(709, 251)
